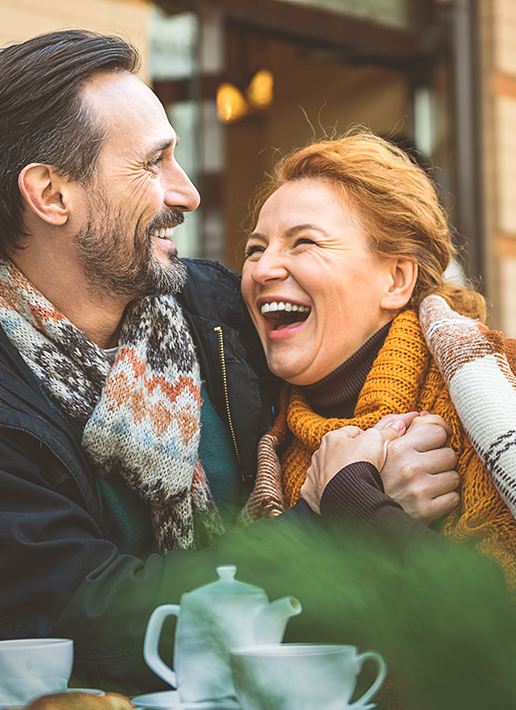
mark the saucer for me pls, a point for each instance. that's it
(170, 700)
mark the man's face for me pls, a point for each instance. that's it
(138, 196)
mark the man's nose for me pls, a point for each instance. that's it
(180, 192)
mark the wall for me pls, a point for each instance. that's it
(21, 19)
(312, 95)
(497, 31)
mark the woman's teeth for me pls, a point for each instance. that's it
(274, 306)
(281, 315)
(164, 233)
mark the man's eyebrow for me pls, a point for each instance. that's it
(165, 145)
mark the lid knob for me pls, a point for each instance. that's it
(226, 572)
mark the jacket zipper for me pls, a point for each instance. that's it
(220, 336)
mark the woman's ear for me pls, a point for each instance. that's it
(45, 193)
(404, 276)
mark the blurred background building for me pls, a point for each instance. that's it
(246, 80)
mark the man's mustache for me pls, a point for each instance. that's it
(170, 218)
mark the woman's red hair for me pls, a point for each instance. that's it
(396, 203)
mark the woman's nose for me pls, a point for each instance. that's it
(180, 192)
(269, 267)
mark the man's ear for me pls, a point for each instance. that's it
(404, 276)
(45, 193)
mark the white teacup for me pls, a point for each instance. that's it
(33, 667)
(301, 676)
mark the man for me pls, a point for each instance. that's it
(103, 470)
(96, 474)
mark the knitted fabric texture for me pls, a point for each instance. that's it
(140, 417)
(404, 378)
(473, 362)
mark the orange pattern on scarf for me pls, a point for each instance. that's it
(404, 378)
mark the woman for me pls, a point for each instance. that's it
(349, 240)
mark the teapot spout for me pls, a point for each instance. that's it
(272, 619)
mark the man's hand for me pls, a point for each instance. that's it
(344, 446)
(419, 470)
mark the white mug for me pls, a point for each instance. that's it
(33, 667)
(301, 676)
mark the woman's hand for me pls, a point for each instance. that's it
(419, 469)
(344, 446)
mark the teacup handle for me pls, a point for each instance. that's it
(151, 642)
(382, 671)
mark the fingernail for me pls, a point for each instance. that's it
(424, 413)
(399, 425)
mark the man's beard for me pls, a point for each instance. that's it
(120, 268)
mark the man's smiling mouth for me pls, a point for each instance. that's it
(280, 315)
(164, 233)
(162, 227)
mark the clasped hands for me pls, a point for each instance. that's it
(410, 451)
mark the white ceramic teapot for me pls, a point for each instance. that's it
(212, 621)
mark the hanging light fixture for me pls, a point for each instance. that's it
(260, 91)
(231, 104)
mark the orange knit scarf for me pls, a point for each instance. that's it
(404, 378)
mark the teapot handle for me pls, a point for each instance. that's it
(151, 643)
(382, 671)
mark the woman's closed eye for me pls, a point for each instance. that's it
(253, 249)
(303, 240)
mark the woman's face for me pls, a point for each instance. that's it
(315, 292)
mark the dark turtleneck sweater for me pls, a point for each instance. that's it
(354, 501)
(336, 395)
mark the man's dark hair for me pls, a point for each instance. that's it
(42, 115)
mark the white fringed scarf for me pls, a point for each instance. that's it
(472, 360)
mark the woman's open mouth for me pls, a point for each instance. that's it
(283, 315)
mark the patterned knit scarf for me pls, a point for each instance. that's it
(474, 362)
(404, 378)
(140, 417)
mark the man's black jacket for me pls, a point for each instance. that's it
(59, 575)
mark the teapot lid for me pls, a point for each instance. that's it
(227, 584)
